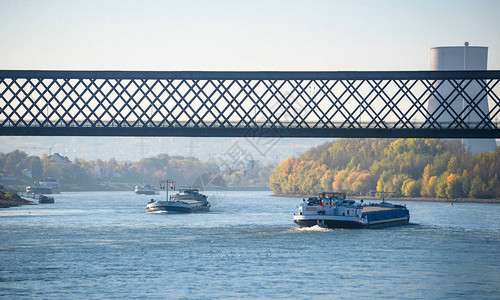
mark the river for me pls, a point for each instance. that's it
(103, 245)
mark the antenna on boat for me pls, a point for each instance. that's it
(384, 194)
(167, 184)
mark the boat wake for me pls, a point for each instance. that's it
(315, 228)
(158, 212)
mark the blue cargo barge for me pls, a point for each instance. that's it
(333, 210)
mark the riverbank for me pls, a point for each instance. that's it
(395, 199)
(127, 187)
(430, 199)
(13, 199)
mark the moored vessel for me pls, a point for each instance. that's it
(45, 199)
(53, 183)
(38, 189)
(187, 200)
(44, 186)
(333, 210)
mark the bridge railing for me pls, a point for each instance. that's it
(406, 103)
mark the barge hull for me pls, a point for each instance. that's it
(177, 210)
(145, 193)
(329, 224)
(350, 224)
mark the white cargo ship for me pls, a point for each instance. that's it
(333, 210)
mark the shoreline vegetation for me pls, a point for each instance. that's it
(395, 199)
(130, 187)
(18, 170)
(13, 199)
(423, 169)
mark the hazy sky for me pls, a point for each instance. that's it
(229, 35)
(241, 35)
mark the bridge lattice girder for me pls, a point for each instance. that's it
(284, 104)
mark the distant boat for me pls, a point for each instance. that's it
(187, 200)
(38, 189)
(53, 183)
(45, 199)
(145, 189)
(333, 210)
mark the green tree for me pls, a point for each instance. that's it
(411, 188)
(339, 180)
(14, 162)
(431, 187)
(52, 169)
(477, 187)
(36, 167)
(453, 186)
(466, 183)
(327, 180)
(453, 165)
(441, 185)
(363, 183)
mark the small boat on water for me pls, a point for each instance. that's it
(38, 189)
(145, 188)
(45, 199)
(187, 200)
(53, 183)
(333, 210)
(44, 186)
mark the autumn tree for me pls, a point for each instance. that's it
(409, 167)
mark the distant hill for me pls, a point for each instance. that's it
(404, 167)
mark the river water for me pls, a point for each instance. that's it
(103, 245)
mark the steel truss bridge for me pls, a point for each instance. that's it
(432, 104)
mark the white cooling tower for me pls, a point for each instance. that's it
(453, 59)
(459, 58)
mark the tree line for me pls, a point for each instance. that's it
(90, 174)
(405, 167)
